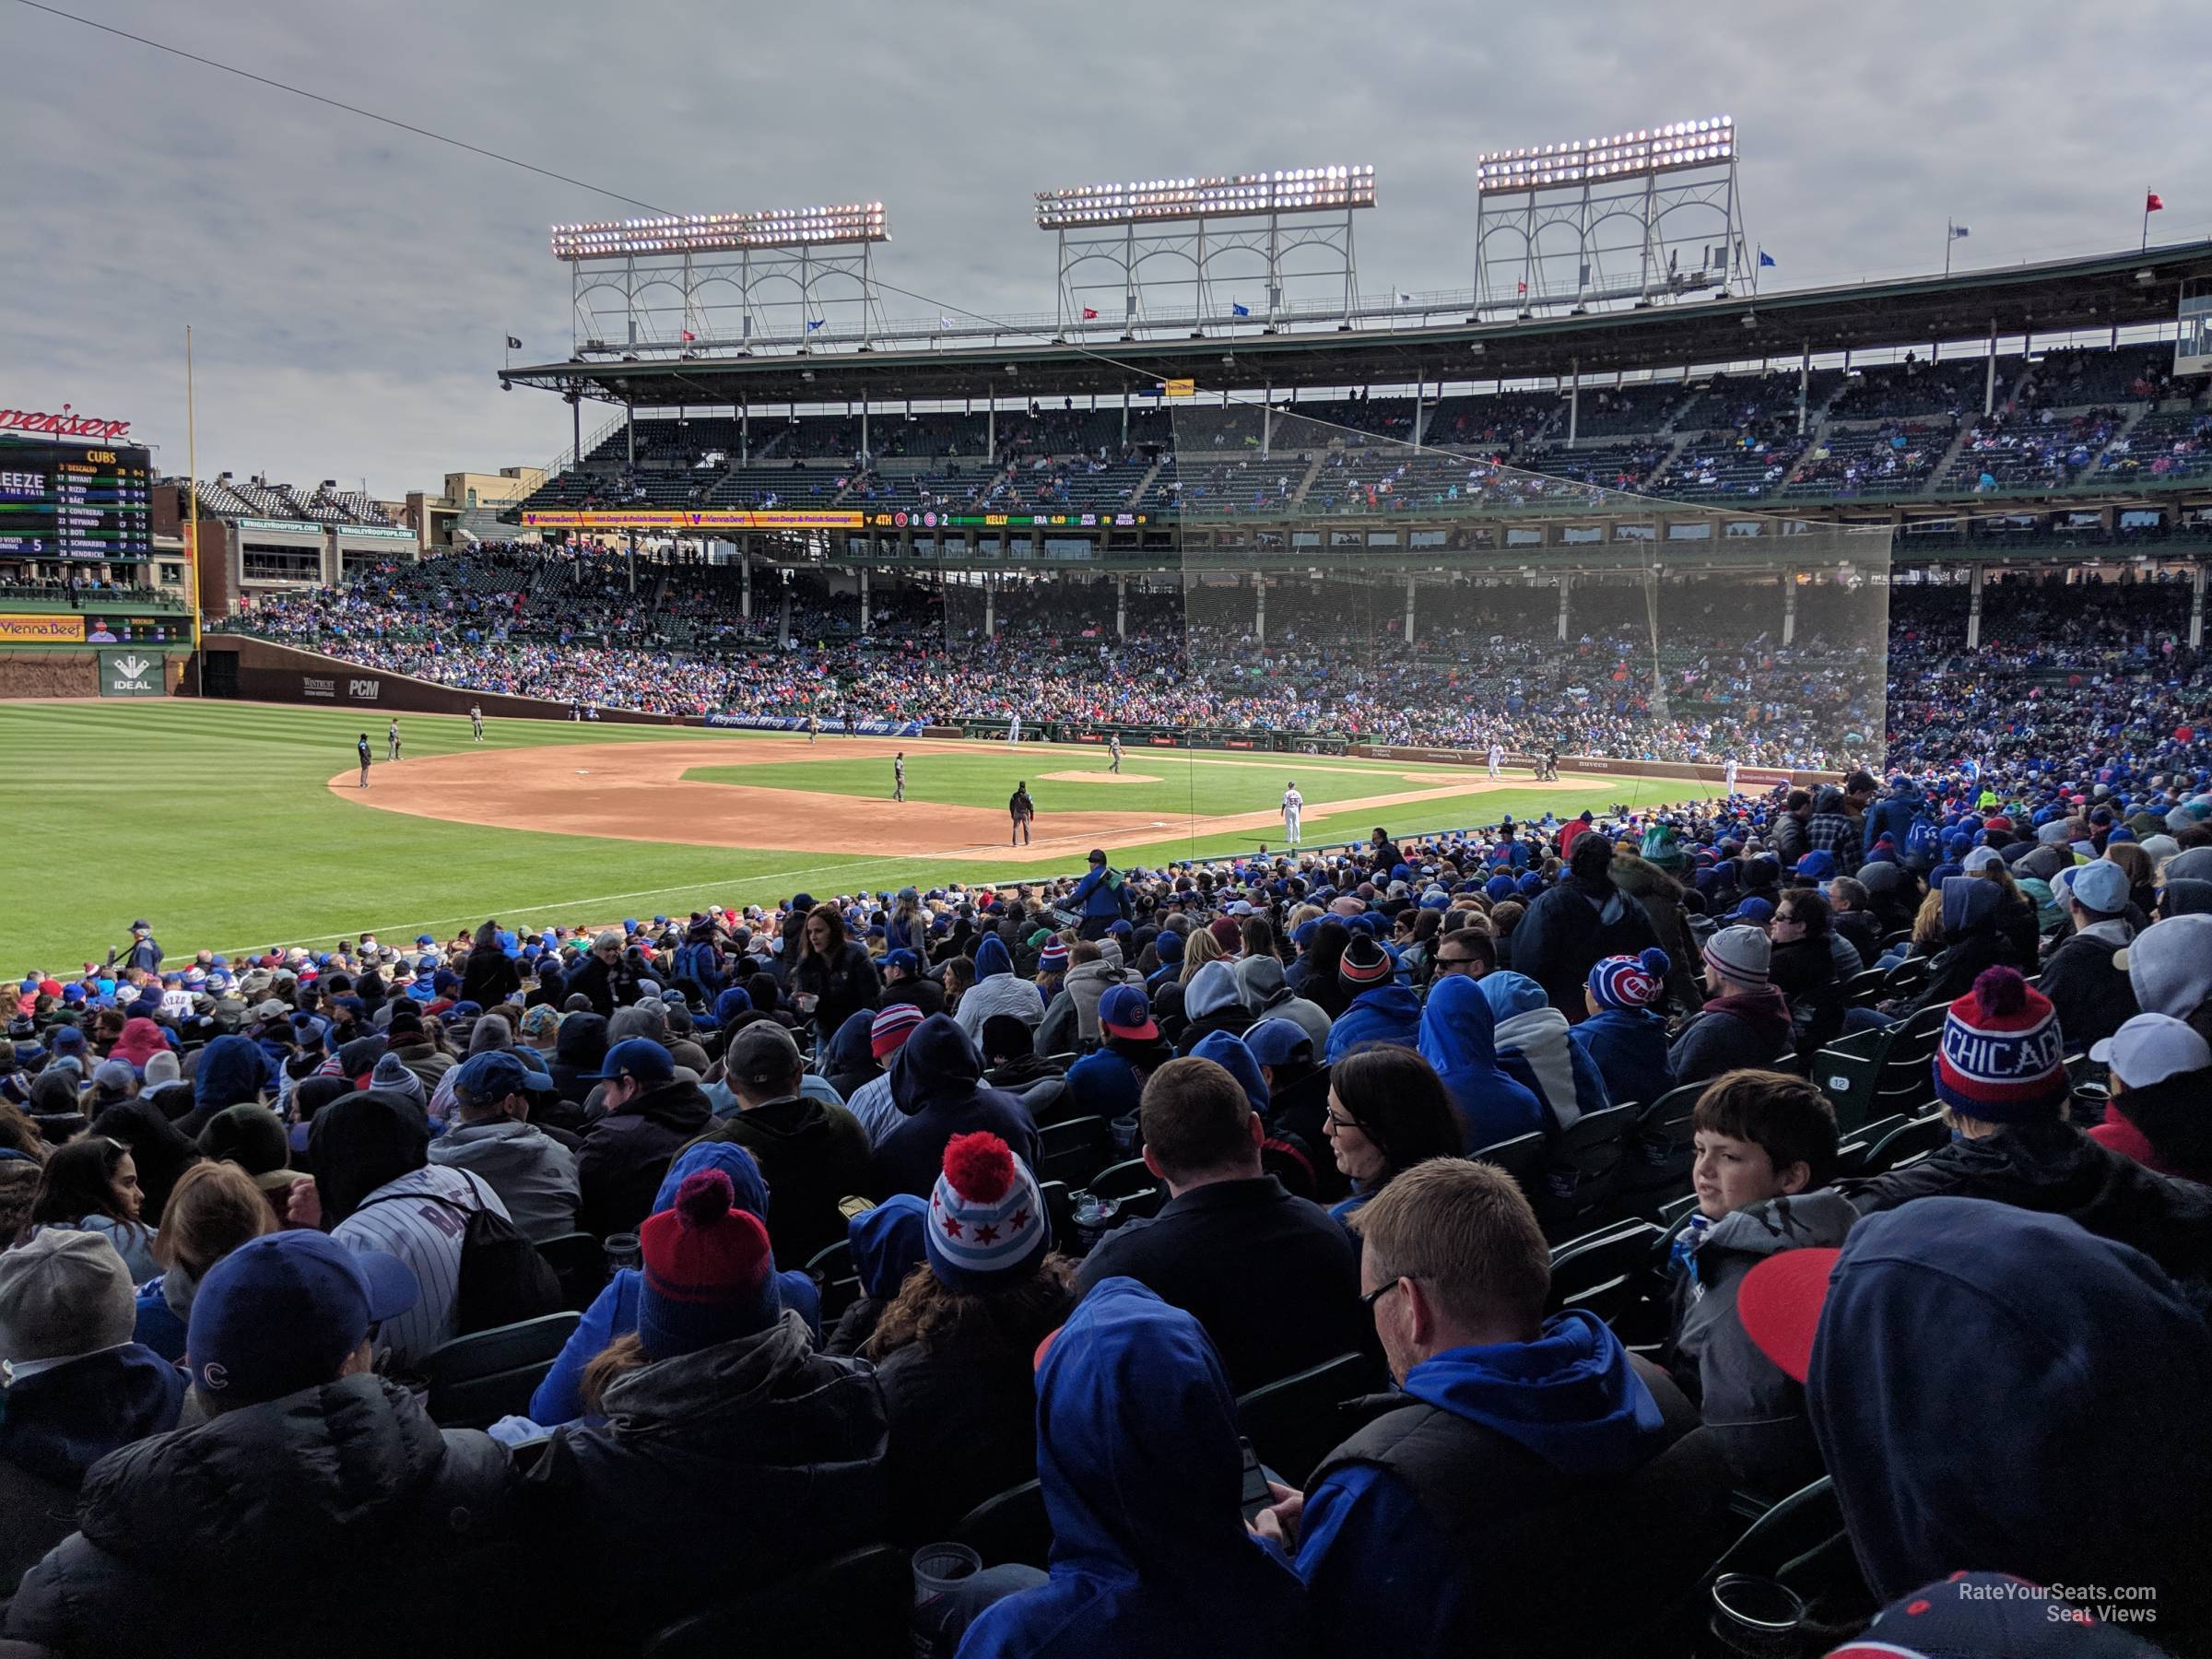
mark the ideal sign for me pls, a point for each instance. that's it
(130, 674)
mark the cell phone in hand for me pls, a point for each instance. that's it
(1257, 1497)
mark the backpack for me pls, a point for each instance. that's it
(504, 1278)
(1924, 844)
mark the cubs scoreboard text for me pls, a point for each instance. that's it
(76, 501)
(733, 519)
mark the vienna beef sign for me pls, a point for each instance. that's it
(67, 423)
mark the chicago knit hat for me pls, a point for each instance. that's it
(709, 1273)
(2002, 1058)
(1743, 954)
(888, 1030)
(63, 1294)
(1053, 959)
(1624, 982)
(986, 1217)
(1364, 964)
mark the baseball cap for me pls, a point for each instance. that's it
(281, 1313)
(904, 959)
(491, 1076)
(641, 1058)
(63, 1294)
(1278, 1041)
(1123, 1012)
(761, 1052)
(2099, 885)
(2151, 1048)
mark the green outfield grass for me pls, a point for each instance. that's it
(213, 821)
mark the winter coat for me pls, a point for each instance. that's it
(1744, 1028)
(2058, 1169)
(1569, 928)
(490, 977)
(1661, 896)
(1108, 1082)
(936, 1079)
(1756, 1412)
(1804, 970)
(846, 982)
(1629, 1048)
(996, 991)
(59, 1423)
(1266, 991)
(1101, 898)
(1437, 1528)
(2093, 998)
(1071, 1021)
(1272, 1279)
(1136, 1451)
(1459, 1037)
(375, 1532)
(1385, 1013)
(533, 1173)
(963, 1427)
(1536, 1045)
(812, 1156)
(627, 1152)
(714, 1472)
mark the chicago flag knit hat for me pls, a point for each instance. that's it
(986, 1217)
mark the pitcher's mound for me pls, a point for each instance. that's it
(1094, 777)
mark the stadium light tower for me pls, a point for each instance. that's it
(1153, 253)
(671, 284)
(1643, 215)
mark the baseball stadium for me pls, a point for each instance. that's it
(1356, 931)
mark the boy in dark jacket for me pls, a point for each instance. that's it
(1766, 1143)
(1744, 1021)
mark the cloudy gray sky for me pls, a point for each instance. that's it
(349, 286)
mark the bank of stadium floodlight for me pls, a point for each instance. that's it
(720, 232)
(1674, 148)
(1290, 189)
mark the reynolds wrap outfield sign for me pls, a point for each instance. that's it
(790, 722)
(18, 629)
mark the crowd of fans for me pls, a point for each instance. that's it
(844, 1297)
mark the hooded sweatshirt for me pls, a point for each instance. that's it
(1629, 1048)
(1437, 1528)
(1136, 1451)
(2092, 1473)
(1536, 1046)
(232, 1070)
(1230, 1054)
(1267, 994)
(1459, 1037)
(936, 1079)
(140, 1042)
(1385, 1014)
(614, 1312)
(534, 1174)
(996, 991)
(1756, 1412)
(886, 1244)
(1212, 1002)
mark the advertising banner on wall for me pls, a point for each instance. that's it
(132, 673)
(18, 630)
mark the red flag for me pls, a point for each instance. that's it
(1521, 288)
(689, 336)
(1089, 313)
(2152, 204)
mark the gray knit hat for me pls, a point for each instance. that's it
(1741, 953)
(63, 1294)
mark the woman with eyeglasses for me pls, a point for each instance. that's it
(1388, 1111)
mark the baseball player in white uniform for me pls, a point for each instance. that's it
(1013, 729)
(1497, 759)
(1294, 807)
(1730, 774)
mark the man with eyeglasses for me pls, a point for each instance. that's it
(1437, 1528)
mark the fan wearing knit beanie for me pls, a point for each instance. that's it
(1625, 1037)
(1381, 1010)
(708, 1272)
(953, 1349)
(2000, 1074)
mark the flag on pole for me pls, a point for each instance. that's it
(513, 344)
(1090, 314)
(1957, 231)
(1521, 287)
(688, 336)
(1404, 299)
(944, 321)
(1765, 259)
(2154, 203)
(1239, 310)
(815, 322)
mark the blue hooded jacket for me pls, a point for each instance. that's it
(1386, 1014)
(1230, 1053)
(1136, 1448)
(937, 1080)
(613, 1313)
(1099, 898)
(1458, 1037)
(1536, 1045)
(887, 1243)
(991, 957)
(2093, 1471)
(232, 1070)
(1628, 1046)
(1384, 1579)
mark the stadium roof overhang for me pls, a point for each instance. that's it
(2108, 291)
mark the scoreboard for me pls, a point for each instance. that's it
(76, 501)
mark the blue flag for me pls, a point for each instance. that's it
(1765, 258)
(1239, 310)
(816, 323)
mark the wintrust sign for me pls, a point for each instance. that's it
(67, 423)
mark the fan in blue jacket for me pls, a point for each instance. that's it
(1458, 1037)
(1101, 898)
(1380, 1011)
(1136, 1448)
(1535, 1045)
(1623, 1038)
(559, 1398)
